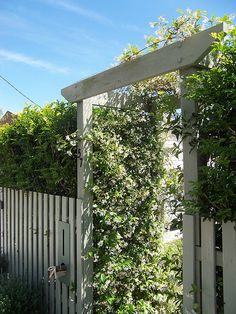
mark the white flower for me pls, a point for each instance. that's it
(152, 24)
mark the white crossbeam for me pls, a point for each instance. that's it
(174, 57)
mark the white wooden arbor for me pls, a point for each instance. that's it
(183, 56)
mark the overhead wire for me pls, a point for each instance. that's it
(16, 89)
(116, 108)
(108, 107)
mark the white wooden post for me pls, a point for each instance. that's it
(208, 250)
(84, 176)
(191, 268)
(229, 266)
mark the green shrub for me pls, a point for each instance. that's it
(16, 298)
(29, 154)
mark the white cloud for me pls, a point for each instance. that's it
(133, 28)
(77, 9)
(17, 57)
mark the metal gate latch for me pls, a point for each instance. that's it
(55, 272)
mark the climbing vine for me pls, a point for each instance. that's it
(215, 132)
(128, 162)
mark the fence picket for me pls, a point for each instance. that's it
(17, 232)
(52, 251)
(5, 222)
(40, 244)
(9, 226)
(58, 283)
(73, 264)
(188, 258)
(12, 222)
(1, 223)
(30, 236)
(79, 255)
(64, 217)
(35, 236)
(2, 247)
(21, 228)
(229, 266)
(24, 234)
(208, 267)
(46, 247)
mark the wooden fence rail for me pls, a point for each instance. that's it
(30, 239)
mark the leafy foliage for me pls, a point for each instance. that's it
(165, 89)
(215, 132)
(164, 33)
(128, 170)
(15, 297)
(29, 154)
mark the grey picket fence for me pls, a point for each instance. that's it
(31, 240)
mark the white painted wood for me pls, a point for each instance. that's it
(58, 283)
(35, 238)
(191, 268)
(17, 232)
(40, 241)
(188, 261)
(46, 236)
(229, 267)
(9, 229)
(73, 261)
(21, 230)
(30, 236)
(24, 261)
(84, 176)
(219, 256)
(65, 296)
(79, 207)
(12, 222)
(176, 56)
(208, 267)
(5, 222)
(190, 155)
(2, 230)
(52, 250)
(9, 244)
(2, 221)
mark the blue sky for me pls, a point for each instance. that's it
(46, 45)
